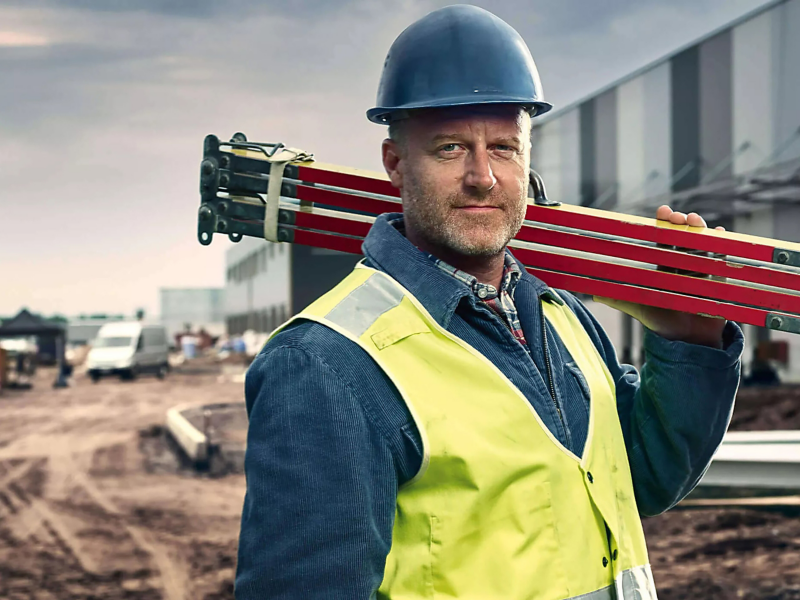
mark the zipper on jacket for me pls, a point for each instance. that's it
(548, 367)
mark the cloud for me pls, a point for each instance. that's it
(196, 9)
(17, 39)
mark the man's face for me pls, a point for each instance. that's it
(463, 177)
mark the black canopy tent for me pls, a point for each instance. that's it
(26, 324)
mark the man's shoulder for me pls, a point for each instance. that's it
(329, 350)
(309, 351)
(312, 338)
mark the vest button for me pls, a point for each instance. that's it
(589, 476)
(605, 561)
(481, 293)
(614, 555)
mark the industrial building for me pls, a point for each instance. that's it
(713, 128)
(266, 283)
(193, 309)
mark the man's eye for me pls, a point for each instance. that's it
(449, 148)
(502, 148)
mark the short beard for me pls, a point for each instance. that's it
(432, 220)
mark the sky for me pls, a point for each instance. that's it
(104, 105)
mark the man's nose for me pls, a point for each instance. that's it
(479, 173)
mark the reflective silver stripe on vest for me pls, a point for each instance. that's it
(607, 593)
(633, 584)
(362, 307)
(637, 584)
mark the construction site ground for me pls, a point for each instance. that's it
(96, 504)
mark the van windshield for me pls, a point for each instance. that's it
(112, 342)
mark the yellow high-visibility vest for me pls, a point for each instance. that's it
(499, 509)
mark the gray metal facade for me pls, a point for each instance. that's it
(716, 120)
(722, 106)
(693, 129)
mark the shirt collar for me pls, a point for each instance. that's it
(388, 250)
(484, 291)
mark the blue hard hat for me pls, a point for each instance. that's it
(456, 56)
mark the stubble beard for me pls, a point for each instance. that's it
(436, 221)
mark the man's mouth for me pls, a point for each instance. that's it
(478, 208)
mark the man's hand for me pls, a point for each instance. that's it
(672, 324)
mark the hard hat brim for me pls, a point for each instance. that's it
(382, 115)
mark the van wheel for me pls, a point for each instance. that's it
(129, 375)
(95, 377)
(162, 372)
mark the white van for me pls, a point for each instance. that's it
(128, 349)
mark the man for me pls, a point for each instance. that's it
(442, 424)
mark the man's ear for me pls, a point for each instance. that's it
(392, 160)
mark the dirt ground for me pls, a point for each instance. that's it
(732, 554)
(95, 504)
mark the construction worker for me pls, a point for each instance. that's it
(444, 425)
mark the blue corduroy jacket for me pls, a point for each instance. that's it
(330, 439)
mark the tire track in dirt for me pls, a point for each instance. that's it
(16, 473)
(36, 515)
(32, 515)
(174, 578)
(87, 509)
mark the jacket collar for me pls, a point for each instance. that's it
(388, 250)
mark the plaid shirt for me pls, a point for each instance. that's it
(502, 303)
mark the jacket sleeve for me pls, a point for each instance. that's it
(674, 413)
(321, 485)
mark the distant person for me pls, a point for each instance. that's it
(443, 424)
